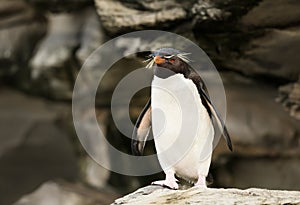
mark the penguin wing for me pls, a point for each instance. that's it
(211, 109)
(141, 130)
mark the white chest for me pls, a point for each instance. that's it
(180, 123)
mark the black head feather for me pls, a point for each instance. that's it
(173, 60)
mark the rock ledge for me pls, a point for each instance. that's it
(159, 195)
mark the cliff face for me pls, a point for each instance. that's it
(254, 45)
(156, 195)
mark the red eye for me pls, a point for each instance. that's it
(172, 60)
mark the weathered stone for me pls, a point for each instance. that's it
(261, 53)
(289, 96)
(21, 29)
(261, 172)
(92, 35)
(214, 16)
(22, 112)
(92, 172)
(271, 55)
(58, 46)
(258, 125)
(154, 5)
(62, 193)
(15, 12)
(250, 37)
(72, 37)
(158, 195)
(265, 139)
(53, 65)
(273, 13)
(117, 17)
(255, 38)
(62, 5)
(34, 148)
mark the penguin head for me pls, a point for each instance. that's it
(171, 59)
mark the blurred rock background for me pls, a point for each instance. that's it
(254, 44)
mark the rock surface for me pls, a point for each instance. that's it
(289, 96)
(45, 42)
(268, 13)
(266, 145)
(158, 195)
(63, 193)
(250, 118)
(118, 17)
(270, 55)
(70, 39)
(251, 37)
(62, 5)
(34, 147)
(21, 27)
(260, 171)
(52, 65)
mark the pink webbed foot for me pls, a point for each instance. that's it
(170, 181)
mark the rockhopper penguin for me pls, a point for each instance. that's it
(182, 119)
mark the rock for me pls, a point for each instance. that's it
(92, 172)
(271, 55)
(62, 193)
(118, 17)
(265, 139)
(15, 12)
(21, 28)
(21, 112)
(92, 35)
(71, 38)
(58, 46)
(214, 16)
(33, 146)
(249, 37)
(269, 13)
(154, 5)
(289, 96)
(218, 27)
(257, 39)
(53, 60)
(61, 6)
(259, 171)
(158, 195)
(256, 122)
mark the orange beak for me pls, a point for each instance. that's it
(159, 60)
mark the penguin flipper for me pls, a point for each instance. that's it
(211, 109)
(217, 117)
(141, 130)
